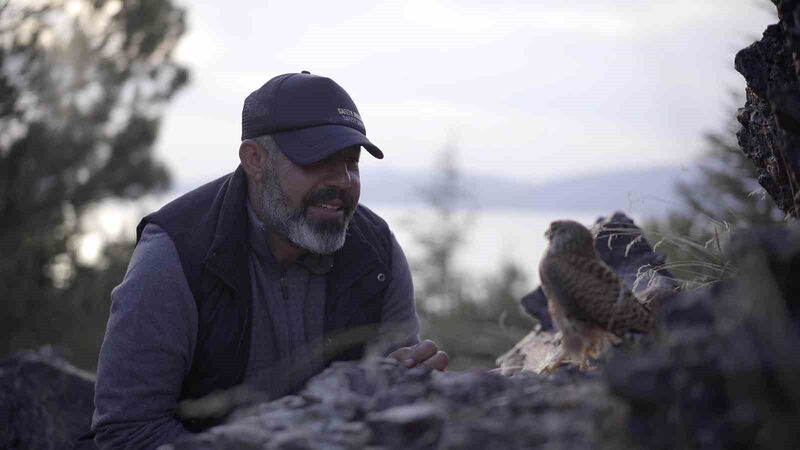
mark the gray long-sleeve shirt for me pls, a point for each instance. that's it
(150, 337)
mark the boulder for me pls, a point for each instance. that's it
(45, 403)
(722, 371)
(770, 118)
(379, 404)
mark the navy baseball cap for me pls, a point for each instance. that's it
(310, 117)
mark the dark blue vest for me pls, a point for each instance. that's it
(209, 227)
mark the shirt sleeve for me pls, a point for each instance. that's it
(147, 349)
(399, 320)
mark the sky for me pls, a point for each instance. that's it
(530, 90)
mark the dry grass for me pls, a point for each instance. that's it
(693, 262)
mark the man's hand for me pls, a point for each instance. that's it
(425, 353)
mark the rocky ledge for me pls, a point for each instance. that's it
(45, 403)
(770, 134)
(379, 404)
(722, 370)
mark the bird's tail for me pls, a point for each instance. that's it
(632, 315)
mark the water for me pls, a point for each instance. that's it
(491, 237)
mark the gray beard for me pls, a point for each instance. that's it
(293, 225)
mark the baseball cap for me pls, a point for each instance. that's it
(309, 116)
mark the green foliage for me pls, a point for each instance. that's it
(726, 197)
(473, 321)
(481, 325)
(82, 85)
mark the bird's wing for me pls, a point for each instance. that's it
(590, 291)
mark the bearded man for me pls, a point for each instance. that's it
(261, 278)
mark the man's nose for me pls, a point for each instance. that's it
(340, 176)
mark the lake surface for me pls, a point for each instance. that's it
(491, 237)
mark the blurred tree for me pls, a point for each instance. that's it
(479, 327)
(83, 84)
(725, 196)
(442, 236)
(474, 320)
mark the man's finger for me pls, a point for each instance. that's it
(438, 361)
(420, 352)
(401, 354)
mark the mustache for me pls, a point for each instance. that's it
(328, 194)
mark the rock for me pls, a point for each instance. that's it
(723, 369)
(379, 404)
(770, 118)
(45, 403)
(535, 304)
(410, 426)
(531, 354)
(622, 245)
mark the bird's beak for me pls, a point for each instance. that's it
(547, 234)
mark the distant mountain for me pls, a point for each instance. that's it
(647, 192)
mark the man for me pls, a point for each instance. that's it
(262, 277)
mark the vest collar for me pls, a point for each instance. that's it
(230, 246)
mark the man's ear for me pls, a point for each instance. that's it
(251, 155)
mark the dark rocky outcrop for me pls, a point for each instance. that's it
(770, 134)
(45, 403)
(621, 244)
(378, 404)
(723, 370)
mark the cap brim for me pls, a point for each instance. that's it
(309, 145)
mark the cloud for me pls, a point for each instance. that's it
(443, 15)
(531, 88)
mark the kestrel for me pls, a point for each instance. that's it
(588, 302)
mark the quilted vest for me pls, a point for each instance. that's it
(209, 227)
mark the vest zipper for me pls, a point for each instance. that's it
(284, 288)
